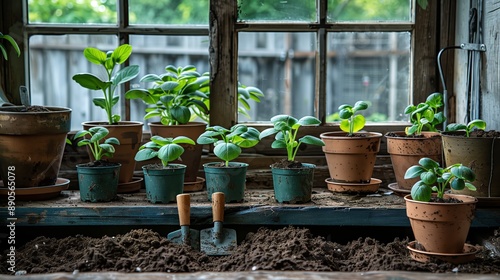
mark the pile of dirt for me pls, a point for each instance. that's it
(289, 248)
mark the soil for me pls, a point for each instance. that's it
(284, 164)
(485, 134)
(99, 163)
(289, 248)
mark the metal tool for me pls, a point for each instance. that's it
(185, 235)
(217, 240)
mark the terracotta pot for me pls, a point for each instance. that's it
(192, 153)
(407, 151)
(351, 159)
(441, 227)
(479, 154)
(130, 136)
(32, 145)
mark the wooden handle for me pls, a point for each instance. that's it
(184, 208)
(218, 203)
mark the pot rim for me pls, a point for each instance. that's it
(186, 124)
(56, 109)
(408, 198)
(106, 124)
(234, 164)
(403, 135)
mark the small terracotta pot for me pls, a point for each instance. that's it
(441, 227)
(130, 136)
(407, 151)
(192, 153)
(351, 159)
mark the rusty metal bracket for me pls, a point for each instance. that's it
(473, 47)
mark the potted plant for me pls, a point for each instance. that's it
(440, 221)
(351, 154)
(128, 132)
(32, 140)
(98, 179)
(292, 180)
(479, 150)
(421, 139)
(172, 98)
(166, 180)
(228, 177)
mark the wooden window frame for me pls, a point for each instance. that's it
(433, 28)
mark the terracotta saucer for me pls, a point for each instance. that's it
(340, 187)
(468, 255)
(397, 191)
(194, 186)
(37, 193)
(132, 186)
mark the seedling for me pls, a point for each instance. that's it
(425, 116)
(166, 149)
(286, 129)
(479, 124)
(435, 178)
(352, 122)
(228, 142)
(97, 148)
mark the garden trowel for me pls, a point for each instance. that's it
(217, 240)
(185, 235)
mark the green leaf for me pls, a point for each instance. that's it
(81, 133)
(12, 43)
(112, 140)
(115, 118)
(83, 142)
(435, 100)
(168, 86)
(125, 74)
(91, 81)
(470, 186)
(183, 140)
(414, 171)
(267, 132)
(360, 105)
(170, 152)
(98, 133)
(479, 124)
(121, 53)
(345, 126)
(463, 172)
(227, 151)
(421, 192)
(455, 127)
(203, 140)
(181, 114)
(311, 140)
(95, 56)
(457, 184)
(145, 154)
(428, 163)
(428, 178)
(151, 78)
(359, 122)
(288, 120)
(278, 144)
(345, 113)
(107, 147)
(100, 102)
(308, 120)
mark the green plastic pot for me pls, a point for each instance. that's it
(293, 185)
(98, 183)
(163, 185)
(229, 180)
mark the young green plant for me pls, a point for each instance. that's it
(286, 128)
(352, 122)
(97, 148)
(479, 124)
(425, 116)
(113, 79)
(228, 142)
(12, 42)
(436, 178)
(166, 149)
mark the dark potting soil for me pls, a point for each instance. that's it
(99, 163)
(34, 108)
(289, 248)
(284, 163)
(484, 134)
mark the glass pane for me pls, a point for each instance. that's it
(72, 11)
(53, 62)
(282, 66)
(369, 10)
(273, 10)
(169, 12)
(373, 67)
(154, 53)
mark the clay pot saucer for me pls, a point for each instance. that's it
(342, 187)
(397, 190)
(37, 193)
(194, 186)
(468, 254)
(130, 187)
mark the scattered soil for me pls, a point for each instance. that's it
(289, 248)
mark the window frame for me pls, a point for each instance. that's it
(432, 27)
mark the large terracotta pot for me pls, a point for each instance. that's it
(32, 145)
(407, 151)
(481, 154)
(130, 136)
(192, 153)
(441, 227)
(351, 159)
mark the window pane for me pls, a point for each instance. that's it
(273, 10)
(72, 11)
(169, 12)
(363, 10)
(154, 53)
(282, 66)
(374, 67)
(53, 62)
